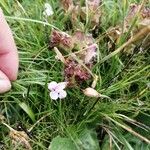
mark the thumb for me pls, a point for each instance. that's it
(8, 50)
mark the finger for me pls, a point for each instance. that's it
(5, 84)
(8, 50)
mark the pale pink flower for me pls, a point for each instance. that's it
(57, 90)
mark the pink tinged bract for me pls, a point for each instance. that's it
(91, 53)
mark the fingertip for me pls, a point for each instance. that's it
(5, 84)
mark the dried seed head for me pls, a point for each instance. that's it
(61, 40)
(78, 63)
(20, 138)
(67, 4)
(146, 13)
(82, 40)
(95, 2)
(134, 8)
(75, 72)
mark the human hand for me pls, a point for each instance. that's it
(8, 56)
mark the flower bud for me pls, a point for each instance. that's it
(90, 92)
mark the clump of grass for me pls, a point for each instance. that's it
(119, 123)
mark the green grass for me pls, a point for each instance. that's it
(121, 123)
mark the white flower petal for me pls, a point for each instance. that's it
(62, 94)
(52, 85)
(54, 95)
(48, 12)
(61, 86)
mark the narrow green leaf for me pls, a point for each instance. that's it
(4, 5)
(28, 110)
